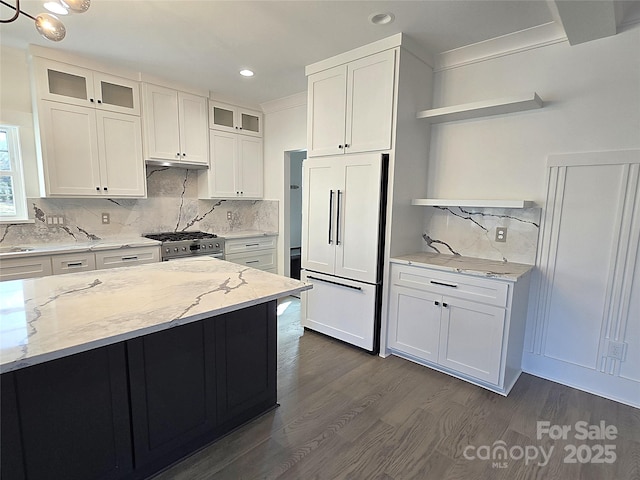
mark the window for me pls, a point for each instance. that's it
(13, 203)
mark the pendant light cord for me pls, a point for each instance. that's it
(17, 14)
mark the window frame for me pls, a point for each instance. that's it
(17, 175)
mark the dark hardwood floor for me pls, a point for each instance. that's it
(345, 414)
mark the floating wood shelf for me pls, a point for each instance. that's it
(442, 202)
(482, 109)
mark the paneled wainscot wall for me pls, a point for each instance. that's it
(171, 205)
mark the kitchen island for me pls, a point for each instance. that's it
(116, 374)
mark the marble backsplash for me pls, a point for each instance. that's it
(471, 232)
(171, 205)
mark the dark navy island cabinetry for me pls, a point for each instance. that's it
(126, 411)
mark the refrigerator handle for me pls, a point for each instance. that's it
(338, 219)
(330, 215)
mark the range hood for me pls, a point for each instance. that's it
(180, 164)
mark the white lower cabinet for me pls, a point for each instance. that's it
(433, 322)
(33, 266)
(25, 267)
(124, 257)
(73, 262)
(255, 252)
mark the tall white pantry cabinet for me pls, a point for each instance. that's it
(360, 103)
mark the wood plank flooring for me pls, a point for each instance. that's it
(345, 414)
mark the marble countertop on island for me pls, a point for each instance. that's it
(18, 251)
(479, 267)
(52, 317)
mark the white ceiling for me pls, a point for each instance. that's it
(204, 43)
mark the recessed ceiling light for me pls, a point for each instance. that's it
(246, 73)
(381, 18)
(56, 7)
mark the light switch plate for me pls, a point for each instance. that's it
(501, 234)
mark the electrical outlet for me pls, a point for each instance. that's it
(501, 234)
(229, 216)
(55, 220)
(616, 350)
(105, 219)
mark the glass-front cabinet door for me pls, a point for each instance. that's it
(250, 122)
(65, 83)
(230, 118)
(117, 94)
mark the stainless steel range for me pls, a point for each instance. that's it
(179, 245)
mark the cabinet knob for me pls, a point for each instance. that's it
(178, 154)
(340, 146)
(346, 145)
(99, 101)
(98, 189)
(445, 305)
(236, 128)
(184, 154)
(436, 303)
(105, 189)
(91, 100)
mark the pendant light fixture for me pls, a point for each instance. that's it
(47, 24)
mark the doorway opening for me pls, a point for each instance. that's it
(295, 211)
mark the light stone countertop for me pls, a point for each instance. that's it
(247, 234)
(479, 267)
(28, 250)
(51, 317)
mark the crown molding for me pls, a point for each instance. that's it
(531, 38)
(292, 101)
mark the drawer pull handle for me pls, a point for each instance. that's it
(134, 257)
(252, 261)
(444, 284)
(74, 264)
(252, 245)
(334, 283)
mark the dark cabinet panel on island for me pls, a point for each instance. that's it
(68, 418)
(128, 410)
(173, 389)
(246, 342)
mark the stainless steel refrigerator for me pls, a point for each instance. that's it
(343, 222)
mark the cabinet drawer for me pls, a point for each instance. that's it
(25, 267)
(485, 290)
(262, 260)
(73, 262)
(127, 256)
(240, 245)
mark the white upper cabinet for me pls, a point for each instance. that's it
(236, 167)
(230, 118)
(88, 153)
(350, 107)
(90, 135)
(61, 82)
(175, 126)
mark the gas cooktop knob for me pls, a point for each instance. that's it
(175, 249)
(210, 246)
